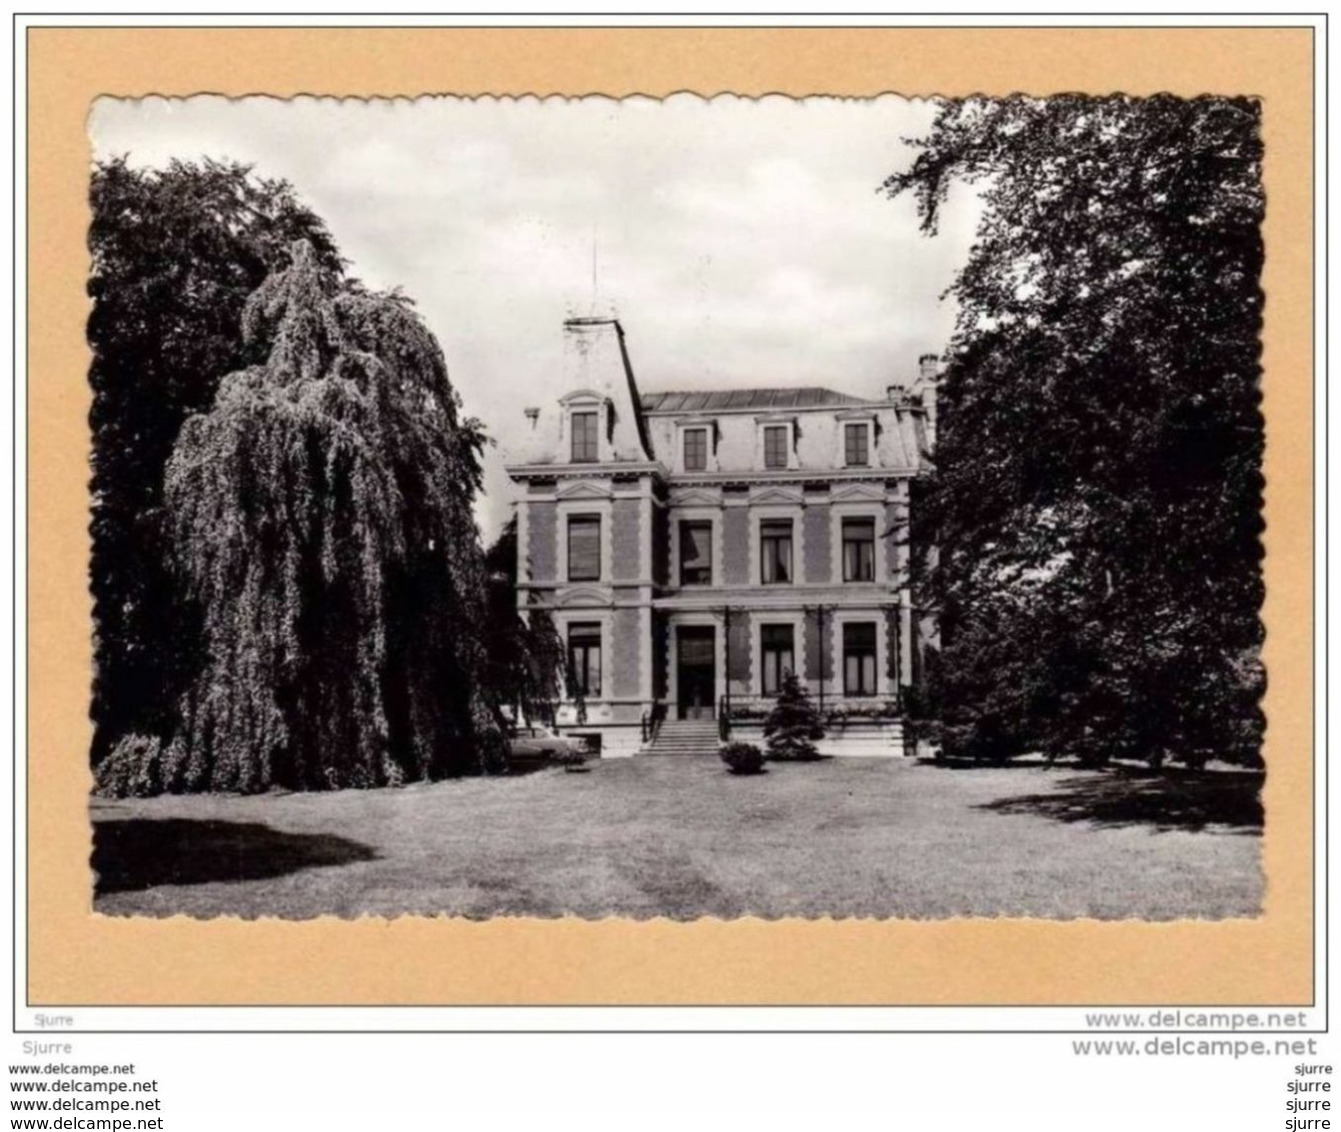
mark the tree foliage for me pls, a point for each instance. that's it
(1095, 504)
(320, 518)
(176, 252)
(793, 724)
(524, 655)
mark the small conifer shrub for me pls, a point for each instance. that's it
(743, 758)
(793, 725)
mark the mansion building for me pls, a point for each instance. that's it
(692, 549)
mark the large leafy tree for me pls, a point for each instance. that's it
(176, 253)
(321, 520)
(524, 655)
(1096, 498)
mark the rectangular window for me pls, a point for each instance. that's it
(584, 548)
(584, 438)
(695, 554)
(775, 446)
(859, 550)
(695, 449)
(584, 658)
(775, 551)
(856, 445)
(776, 645)
(859, 658)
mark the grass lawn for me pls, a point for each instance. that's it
(680, 837)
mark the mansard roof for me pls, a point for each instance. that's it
(803, 397)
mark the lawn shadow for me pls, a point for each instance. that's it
(517, 768)
(135, 854)
(1164, 800)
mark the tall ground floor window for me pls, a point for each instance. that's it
(779, 656)
(584, 658)
(859, 658)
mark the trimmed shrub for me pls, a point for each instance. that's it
(133, 769)
(743, 758)
(793, 725)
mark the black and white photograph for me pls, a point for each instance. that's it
(691, 507)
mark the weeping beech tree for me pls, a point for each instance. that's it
(320, 519)
(176, 252)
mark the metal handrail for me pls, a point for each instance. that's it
(652, 720)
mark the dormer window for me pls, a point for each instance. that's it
(695, 445)
(695, 449)
(775, 442)
(585, 433)
(586, 436)
(854, 442)
(857, 444)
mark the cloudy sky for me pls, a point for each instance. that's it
(741, 242)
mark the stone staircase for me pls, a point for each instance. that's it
(685, 737)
